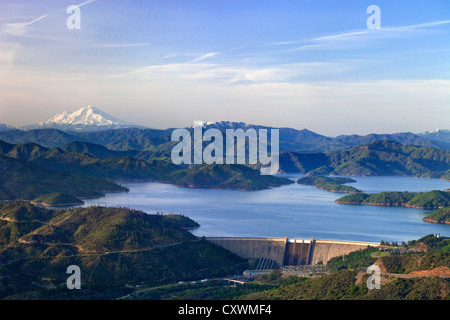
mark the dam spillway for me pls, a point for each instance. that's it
(289, 252)
(298, 252)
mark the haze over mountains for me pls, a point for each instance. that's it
(5, 127)
(438, 135)
(90, 124)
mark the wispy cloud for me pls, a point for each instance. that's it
(357, 37)
(231, 74)
(86, 2)
(205, 56)
(121, 45)
(18, 29)
(36, 20)
(383, 32)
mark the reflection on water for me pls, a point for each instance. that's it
(295, 211)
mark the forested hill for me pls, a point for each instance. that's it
(85, 170)
(423, 200)
(333, 184)
(115, 248)
(380, 158)
(159, 141)
(22, 180)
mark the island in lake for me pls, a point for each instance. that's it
(435, 199)
(333, 184)
(439, 216)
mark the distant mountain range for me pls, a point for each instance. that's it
(6, 127)
(437, 135)
(90, 124)
(378, 158)
(308, 141)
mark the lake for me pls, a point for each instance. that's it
(295, 211)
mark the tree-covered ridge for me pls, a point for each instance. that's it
(72, 158)
(158, 141)
(446, 176)
(431, 242)
(426, 253)
(341, 285)
(102, 229)
(20, 218)
(333, 184)
(22, 180)
(114, 247)
(428, 200)
(439, 216)
(379, 158)
(57, 199)
(224, 176)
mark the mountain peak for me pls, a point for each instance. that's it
(223, 124)
(6, 127)
(84, 119)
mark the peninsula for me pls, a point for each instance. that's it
(435, 199)
(332, 184)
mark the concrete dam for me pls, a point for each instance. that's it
(290, 252)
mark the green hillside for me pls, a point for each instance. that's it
(342, 286)
(333, 184)
(30, 217)
(291, 162)
(379, 158)
(114, 247)
(446, 176)
(78, 158)
(376, 158)
(94, 150)
(22, 180)
(439, 216)
(57, 199)
(427, 200)
(224, 176)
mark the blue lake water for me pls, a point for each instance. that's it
(295, 211)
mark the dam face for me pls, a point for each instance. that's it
(290, 252)
(298, 252)
(254, 248)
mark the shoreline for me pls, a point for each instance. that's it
(435, 221)
(56, 204)
(203, 187)
(336, 191)
(389, 205)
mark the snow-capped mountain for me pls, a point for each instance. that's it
(224, 125)
(442, 135)
(437, 131)
(88, 118)
(6, 127)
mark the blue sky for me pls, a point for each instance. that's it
(301, 64)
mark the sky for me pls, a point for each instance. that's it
(302, 64)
